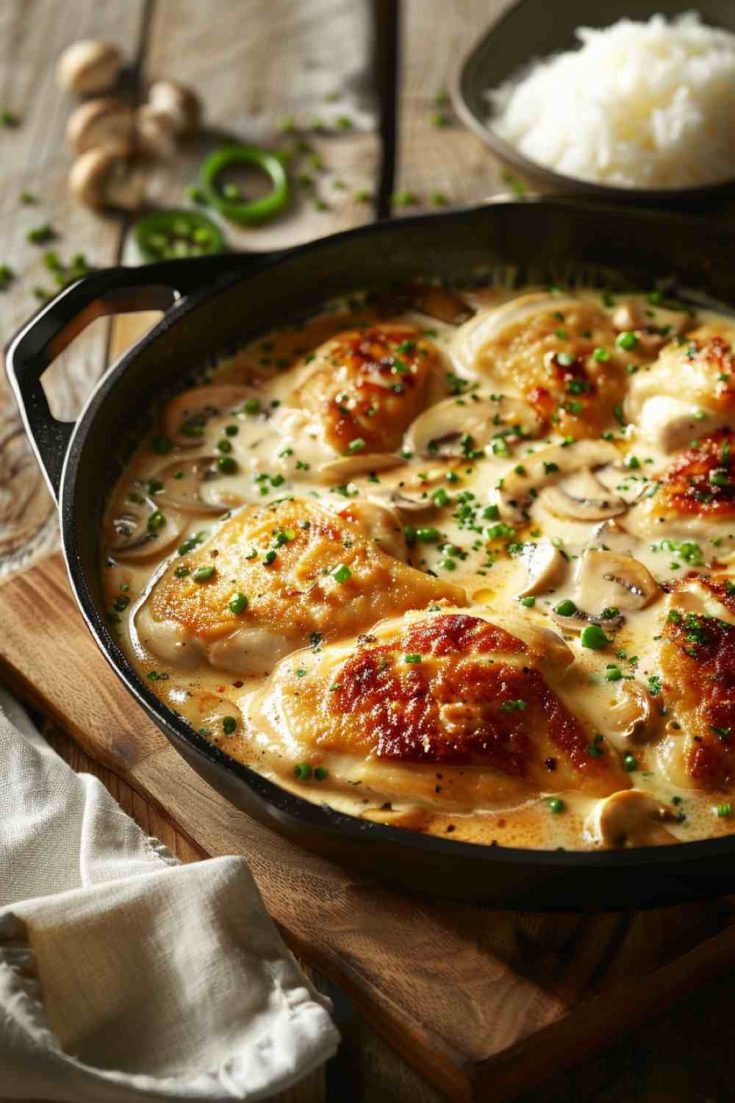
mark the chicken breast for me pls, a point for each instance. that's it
(559, 353)
(693, 497)
(366, 386)
(269, 580)
(697, 655)
(688, 392)
(444, 707)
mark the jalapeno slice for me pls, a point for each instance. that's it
(162, 235)
(246, 213)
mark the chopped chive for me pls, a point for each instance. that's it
(229, 724)
(626, 340)
(342, 573)
(156, 521)
(238, 603)
(203, 574)
(593, 638)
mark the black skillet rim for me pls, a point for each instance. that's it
(338, 825)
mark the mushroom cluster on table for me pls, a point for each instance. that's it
(113, 138)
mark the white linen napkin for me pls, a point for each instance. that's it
(125, 976)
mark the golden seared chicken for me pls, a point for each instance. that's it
(442, 600)
(688, 392)
(694, 496)
(698, 668)
(443, 706)
(269, 580)
(561, 354)
(366, 386)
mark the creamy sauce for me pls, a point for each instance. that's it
(520, 496)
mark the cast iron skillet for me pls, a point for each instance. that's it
(215, 304)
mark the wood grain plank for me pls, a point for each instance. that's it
(437, 156)
(34, 159)
(475, 998)
(260, 64)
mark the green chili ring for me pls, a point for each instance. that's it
(163, 235)
(235, 210)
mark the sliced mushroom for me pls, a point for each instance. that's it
(631, 818)
(548, 466)
(100, 122)
(178, 103)
(588, 500)
(611, 536)
(607, 579)
(185, 485)
(140, 530)
(408, 503)
(630, 717)
(106, 177)
(545, 566)
(361, 463)
(448, 428)
(89, 66)
(579, 619)
(184, 418)
(378, 523)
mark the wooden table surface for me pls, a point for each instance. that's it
(355, 90)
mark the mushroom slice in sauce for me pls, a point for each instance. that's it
(449, 428)
(349, 467)
(587, 500)
(607, 579)
(631, 818)
(545, 566)
(185, 482)
(140, 530)
(549, 466)
(631, 716)
(184, 418)
(577, 620)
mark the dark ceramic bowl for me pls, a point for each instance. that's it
(215, 304)
(534, 29)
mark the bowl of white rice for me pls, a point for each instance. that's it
(625, 101)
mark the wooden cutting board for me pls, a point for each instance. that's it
(484, 1003)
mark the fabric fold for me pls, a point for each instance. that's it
(123, 974)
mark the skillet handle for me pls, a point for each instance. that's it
(110, 291)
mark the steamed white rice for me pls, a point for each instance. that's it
(648, 105)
